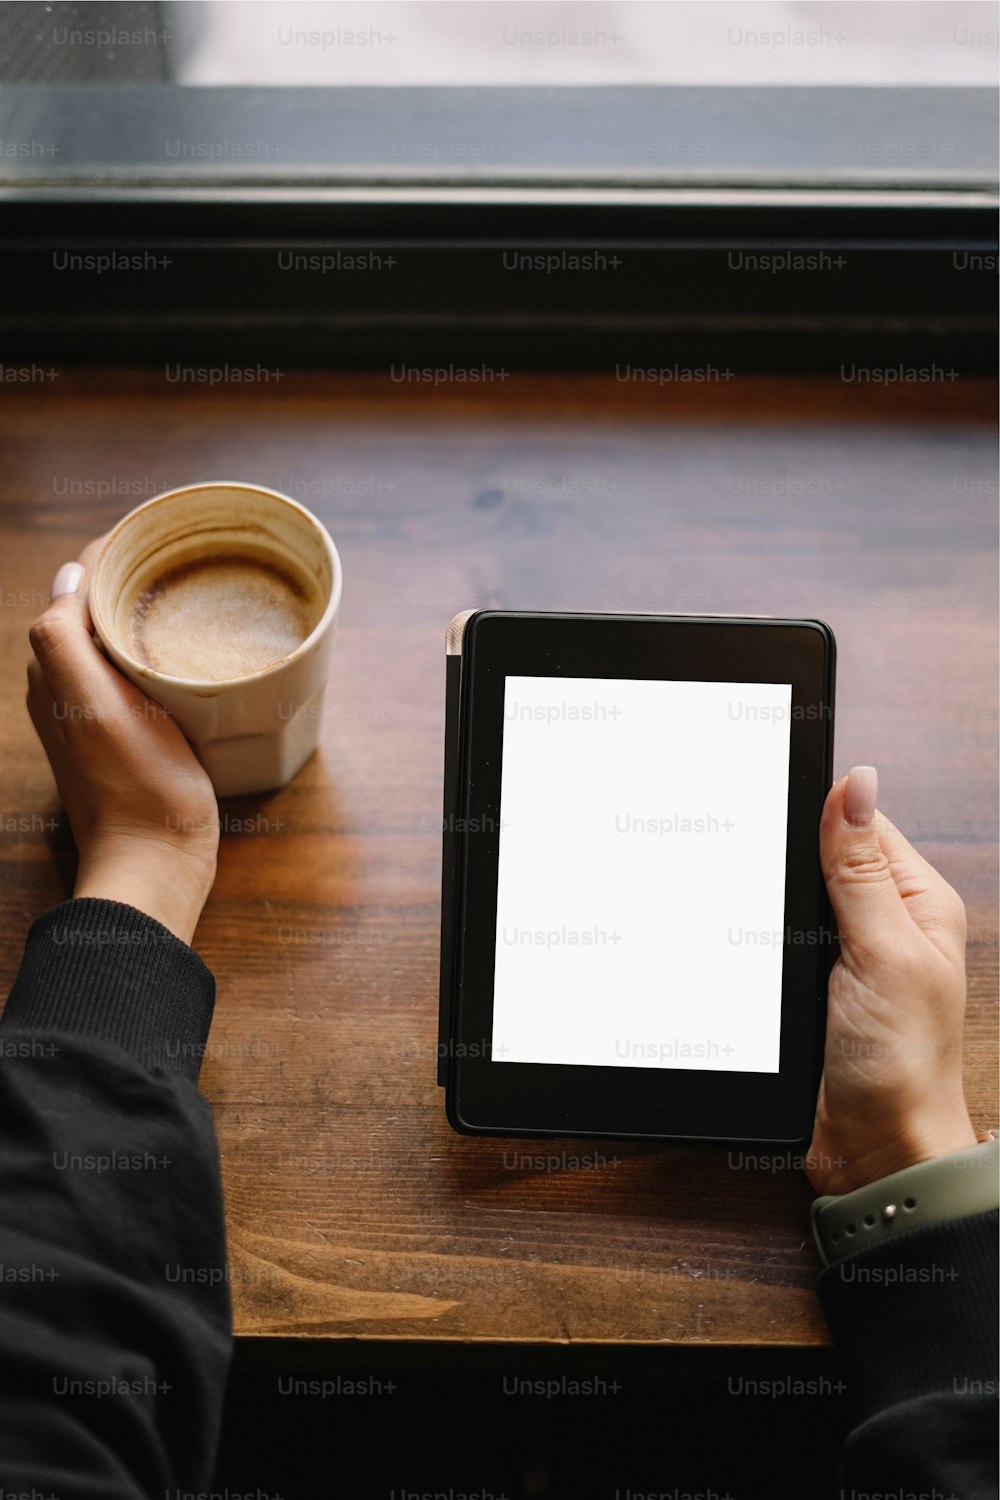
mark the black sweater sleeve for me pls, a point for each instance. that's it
(916, 1322)
(115, 1330)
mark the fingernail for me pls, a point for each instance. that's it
(861, 795)
(67, 580)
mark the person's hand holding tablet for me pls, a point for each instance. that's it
(891, 1093)
(906, 1227)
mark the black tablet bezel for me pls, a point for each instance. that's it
(540, 1099)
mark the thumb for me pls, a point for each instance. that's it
(865, 900)
(62, 636)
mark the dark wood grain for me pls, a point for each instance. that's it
(353, 1210)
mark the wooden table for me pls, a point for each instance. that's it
(353, 1210)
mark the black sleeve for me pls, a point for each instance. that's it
(916, 1322)
(115, 1332)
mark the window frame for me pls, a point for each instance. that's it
(899, 228)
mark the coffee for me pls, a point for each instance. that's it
(216, 618)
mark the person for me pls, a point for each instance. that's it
(112, 1240)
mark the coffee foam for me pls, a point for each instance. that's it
(218, 617)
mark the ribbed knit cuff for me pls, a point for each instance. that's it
(917, 1315)
(105, 970)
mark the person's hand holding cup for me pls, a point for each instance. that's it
(215, 606)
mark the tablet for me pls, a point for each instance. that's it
(635, 938)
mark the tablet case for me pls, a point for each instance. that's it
(451, 843)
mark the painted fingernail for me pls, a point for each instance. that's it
(67, 580)
(861, 795)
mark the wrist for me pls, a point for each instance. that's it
(910, 1143)
(169, 881)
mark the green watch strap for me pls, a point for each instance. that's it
(946, 1187)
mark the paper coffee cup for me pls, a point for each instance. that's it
(252, 731)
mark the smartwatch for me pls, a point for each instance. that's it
(953, 1186)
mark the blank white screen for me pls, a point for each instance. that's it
(641, 883)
